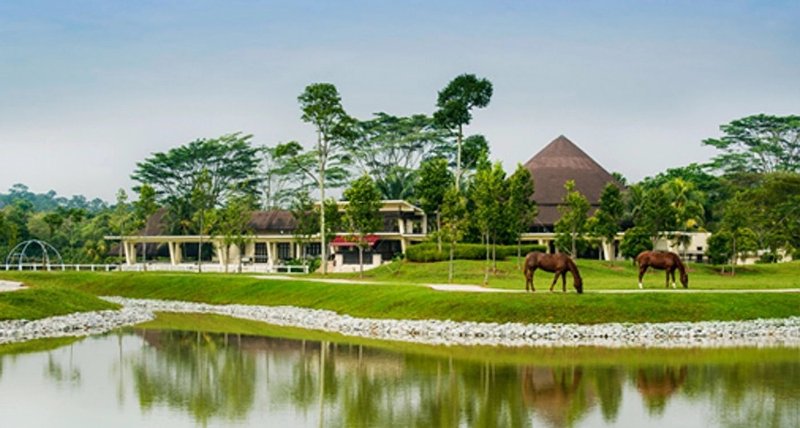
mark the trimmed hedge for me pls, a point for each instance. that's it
(428, 252)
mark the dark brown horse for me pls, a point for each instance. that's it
(558, 263)
(665, 261)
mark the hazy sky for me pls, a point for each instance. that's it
(88, 88)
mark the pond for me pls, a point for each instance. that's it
(160, 377)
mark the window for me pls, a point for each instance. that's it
(313, 249)
(261, 255)
(284, 250)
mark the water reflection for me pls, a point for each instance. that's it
(191, 378)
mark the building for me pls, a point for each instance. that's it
(272, 243)
(551, 167)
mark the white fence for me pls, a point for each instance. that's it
(157, 267)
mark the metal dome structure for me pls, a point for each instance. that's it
(25, 254)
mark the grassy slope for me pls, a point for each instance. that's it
(597, 275)
(44, 302)
(413, 302)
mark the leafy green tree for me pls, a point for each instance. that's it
(233, 224)
(655, 214)
(230, 162)
(434, 179)
(608, 217)
(122, 221)
(488, 193)
(571, 227)
(635, 240)
(520, 209)
(758, 143)
(322, 107)
(306, 221)
(454, 222)
(712, 191)
(455, 103)
(720, 250)
(363, 213)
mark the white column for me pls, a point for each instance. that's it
(172, 259)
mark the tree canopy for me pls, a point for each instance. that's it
(759, 143)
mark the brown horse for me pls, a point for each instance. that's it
(662, 260)
(558, 263)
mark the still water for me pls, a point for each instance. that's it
(164, 378)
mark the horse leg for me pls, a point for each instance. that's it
(564, 281)
(642, 270)
(529, 280)
(553, 284)
(672, 273)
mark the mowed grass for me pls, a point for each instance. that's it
(596, 274)
(417, 302)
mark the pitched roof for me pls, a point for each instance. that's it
(559, 161)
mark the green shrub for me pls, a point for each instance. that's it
(428, 252)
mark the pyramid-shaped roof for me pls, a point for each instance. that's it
(559, 161)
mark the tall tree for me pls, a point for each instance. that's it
(758, 143)
(687, 204)
(229, 161)
(489, 195)
(363, 213)
(520, 207)
(434, 179)
(571, 227)
(455, 103)
(454, 222)
(322, 107)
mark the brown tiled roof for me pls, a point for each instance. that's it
(559, 161)
(274, 221)
(261, 222)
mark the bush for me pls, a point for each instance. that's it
(429, 253)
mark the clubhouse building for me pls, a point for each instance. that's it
(273, 246)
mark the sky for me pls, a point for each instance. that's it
(89, 88)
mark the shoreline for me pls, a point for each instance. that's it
(783, 332)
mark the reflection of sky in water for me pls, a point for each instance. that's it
(188, 379)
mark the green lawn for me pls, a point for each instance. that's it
(597, 275)
(416, 302)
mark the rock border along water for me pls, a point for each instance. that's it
(769, 332)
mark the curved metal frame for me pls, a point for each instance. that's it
(22, 254)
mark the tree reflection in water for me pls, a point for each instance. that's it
(218, 376)
(196, 372)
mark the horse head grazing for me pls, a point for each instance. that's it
(684, 275)
(577, 281)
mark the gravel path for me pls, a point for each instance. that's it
(775, 332)
(10, 286)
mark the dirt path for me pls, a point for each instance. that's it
(468, 288)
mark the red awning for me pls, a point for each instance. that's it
(352, 241)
